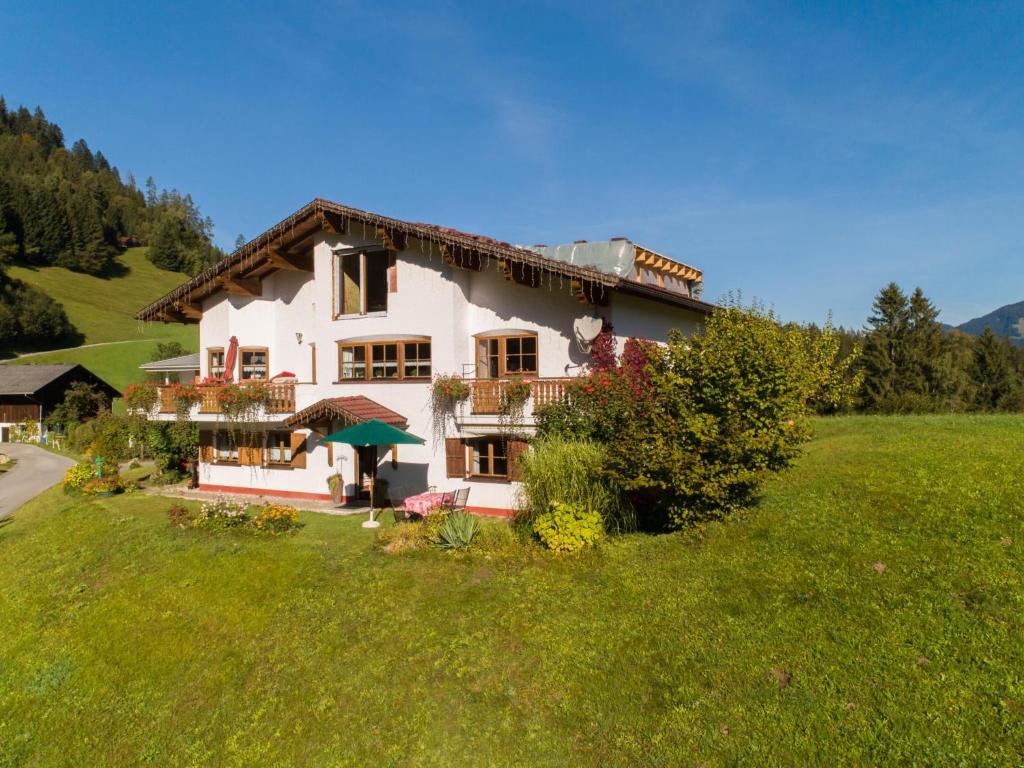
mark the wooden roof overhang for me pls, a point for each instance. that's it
(655, 261)
(286, 246)
(350, 410)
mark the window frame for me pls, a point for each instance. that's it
(337, 295)
(210, 352)
(241, 363)
(367, 362)
(233, 454)
(489, 457)
(502, 340)
(283, 440)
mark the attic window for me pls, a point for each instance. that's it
(360, 282)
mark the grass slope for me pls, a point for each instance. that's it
(103, 310)
(129, 642)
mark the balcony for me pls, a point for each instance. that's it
(486, 394)
(281, 398)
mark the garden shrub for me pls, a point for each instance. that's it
(222, 513)
(181, 516)
(101, 486)
(402, 537)
(571, 470)
(77, 476)
(497, 539)
(457, 530)
(568, 528)
(276, 518)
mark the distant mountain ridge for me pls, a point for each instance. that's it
(1006, 321)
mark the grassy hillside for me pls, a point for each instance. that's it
(868, 612)
(103, 310)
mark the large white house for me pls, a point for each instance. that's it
(349, 315)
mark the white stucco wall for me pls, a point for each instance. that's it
(448, 305)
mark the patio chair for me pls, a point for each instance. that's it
(456, 500)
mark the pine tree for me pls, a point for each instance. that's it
(885, 346)
(927, 370)
(998, 387)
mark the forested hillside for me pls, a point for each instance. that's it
(70, 208)
(1006, 321)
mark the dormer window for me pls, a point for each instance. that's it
(361, 282)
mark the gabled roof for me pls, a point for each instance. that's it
(182, 363)
(29, 379)
(285, 246)
(351, 409)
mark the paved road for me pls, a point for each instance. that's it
(35, 471)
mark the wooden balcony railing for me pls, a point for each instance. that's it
(281, 398)
(486, 394)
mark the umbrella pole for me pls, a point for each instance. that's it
(371, 523)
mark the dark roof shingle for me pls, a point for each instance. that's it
(27, 379)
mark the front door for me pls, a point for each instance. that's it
(5, 434)
(366, 461)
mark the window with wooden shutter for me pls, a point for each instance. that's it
(206, 447)
(251, 455)
(488, 457)
(392, 273)
(279, 449)
(516, 450)
(455, 457)
(298, 451)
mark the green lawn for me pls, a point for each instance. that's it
(883, 578)
(103, 308)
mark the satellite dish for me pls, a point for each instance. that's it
(586, 329)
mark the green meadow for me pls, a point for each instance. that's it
(868, 611)
(103, 309)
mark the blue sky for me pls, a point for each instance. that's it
(805, 154)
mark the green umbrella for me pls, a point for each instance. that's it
(375, 433)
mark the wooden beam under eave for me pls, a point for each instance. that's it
(278, 260)
(333, 222)
(243, 286)
(169, 315)
(393, 241)
(461, 258)
(189, 310)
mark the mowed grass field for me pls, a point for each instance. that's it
(103, 310)
(869, 611)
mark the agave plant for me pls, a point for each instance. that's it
(458, 530)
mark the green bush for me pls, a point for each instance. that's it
(563, 469)
(568, 528)
(458, 530)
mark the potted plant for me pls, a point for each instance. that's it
(336, 484)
